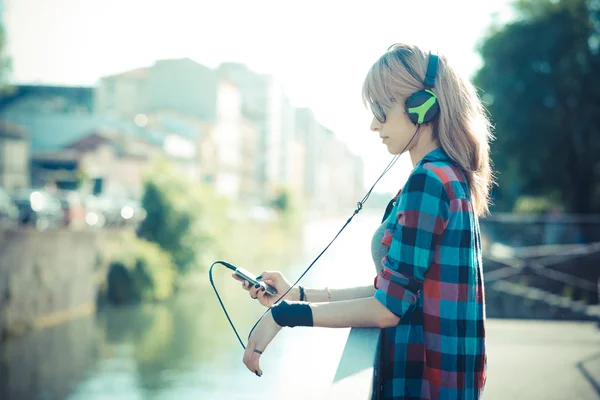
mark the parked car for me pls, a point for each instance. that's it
(132, 213)
(120, 211)
(95, 215)
(38, 208)
(73, 207)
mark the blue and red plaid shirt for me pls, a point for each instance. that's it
(432, 279)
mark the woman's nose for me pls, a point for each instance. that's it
(375, 125)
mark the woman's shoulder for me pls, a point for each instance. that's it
(448, 174)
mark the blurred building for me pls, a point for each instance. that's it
(341, 176)
(14, 157)
(53, 116)
(333, 176)
(180, 85)
(231, 127)
(235, 141)
(311, 135)
(182, 95)
(108, 163)
(266, 105)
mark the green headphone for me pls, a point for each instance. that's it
(422, 107)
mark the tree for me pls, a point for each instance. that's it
(541, 85)
(185, 219)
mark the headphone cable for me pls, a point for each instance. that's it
(359, 207)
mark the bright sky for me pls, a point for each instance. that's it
(320, 49)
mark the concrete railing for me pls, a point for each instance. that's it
(357, 375)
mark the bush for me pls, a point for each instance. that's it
(140, 271)
(185, 219)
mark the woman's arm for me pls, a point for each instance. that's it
(323, 295)
(278, 281)
(357, 313)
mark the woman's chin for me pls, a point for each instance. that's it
(392, 151)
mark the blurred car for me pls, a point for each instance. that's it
(9, 213)
(119, 211)
(110, 209)
(38, 208)
(132, 213)
(95, 215)
(74, 210)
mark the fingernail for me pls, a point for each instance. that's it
(246, 283)
(263, 289)
(259, 277)
(257, 286)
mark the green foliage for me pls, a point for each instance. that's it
(532, 204)
(140, 271)
(183, 218)
(193, 226)
(541, 84)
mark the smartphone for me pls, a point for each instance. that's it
(250, 277)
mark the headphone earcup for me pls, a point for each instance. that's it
(422, 107)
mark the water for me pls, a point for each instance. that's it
(185, 348)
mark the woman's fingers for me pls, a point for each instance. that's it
(252, 360)
(245, 283)
(254, 291)
(256, 363)
(269, 282)
(273, 276)
(263, 297)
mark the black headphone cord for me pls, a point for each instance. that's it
(359, 207)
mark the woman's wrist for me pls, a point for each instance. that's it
(293, 295)
(317, 295)
(292, 314)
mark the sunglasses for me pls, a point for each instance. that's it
(378, 112)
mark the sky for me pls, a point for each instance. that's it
(320, 50)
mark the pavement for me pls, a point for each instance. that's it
(542, 360)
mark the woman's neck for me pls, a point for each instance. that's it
(424, 145)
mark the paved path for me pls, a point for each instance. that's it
(542, 360)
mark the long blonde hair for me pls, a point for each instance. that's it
(462, 129)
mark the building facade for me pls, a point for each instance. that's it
(14, 157)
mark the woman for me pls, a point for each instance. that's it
(428, 294)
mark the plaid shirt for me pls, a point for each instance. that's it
(432, 279)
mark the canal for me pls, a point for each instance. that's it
(184, 348)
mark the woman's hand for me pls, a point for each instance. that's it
(274, 279)
(260, 338)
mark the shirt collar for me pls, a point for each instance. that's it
(435, 155)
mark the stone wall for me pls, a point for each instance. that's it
(46, 277)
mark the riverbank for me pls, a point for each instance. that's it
(47, 277)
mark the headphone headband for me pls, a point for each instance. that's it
(422, 106)
(432, 68)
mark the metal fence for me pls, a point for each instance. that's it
(542, 267)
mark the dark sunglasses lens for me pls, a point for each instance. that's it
(378, 112)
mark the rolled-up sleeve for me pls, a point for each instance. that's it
(421, 216)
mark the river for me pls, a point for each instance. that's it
(185, 348)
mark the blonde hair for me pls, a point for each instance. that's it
(462, 128)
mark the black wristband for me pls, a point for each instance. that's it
(292, 314)
(302, 295)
